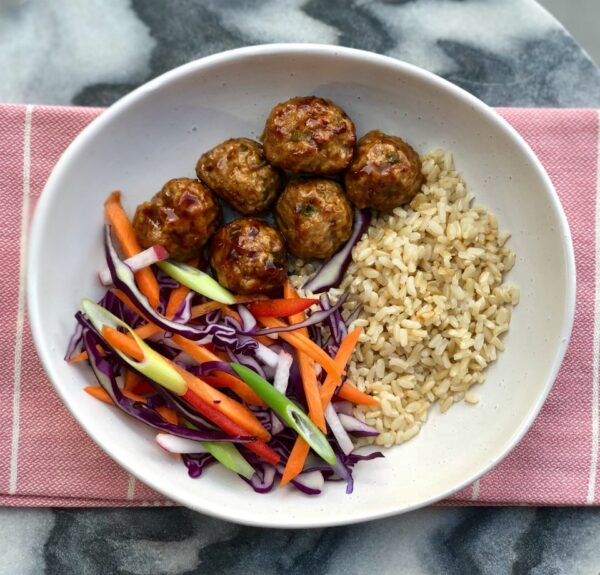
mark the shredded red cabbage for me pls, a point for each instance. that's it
(327, 327)
(332, 272)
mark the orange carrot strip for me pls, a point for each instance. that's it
(299, 451)
(235, 411)
(205, 308)
(168, 414)
(350, 393)
(176, 298)
(130, 380)
(295, 462)
(307, 346)
(134, 396)
(79, 357)
(264, 339)
(341, 359)
(99, 393)
(146, 331)
(123, 229)
(224, 379)
(307, 370)
(123, 342)
(201, 355)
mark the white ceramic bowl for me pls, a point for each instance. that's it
(158, 132)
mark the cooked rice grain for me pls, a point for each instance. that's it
(430, 279)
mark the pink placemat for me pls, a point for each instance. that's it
(47, 460)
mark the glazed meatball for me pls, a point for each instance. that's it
(315, 217)
(181, 217)
(237, 172)
(309, 135)
(385, 172)
(248, 257)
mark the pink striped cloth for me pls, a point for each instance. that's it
(47, 460)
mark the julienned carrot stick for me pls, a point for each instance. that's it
(168, 414)
(228, 381)
(295, 462)
(130, 380)
(205, 308)
(178, 295)
(146, 331)
(309, 347)
(116, 216)
(122, 342)
(176, 298)
(307, 369)
(350, 393)
(99, 393)
(341, 359)
(134, 396)
(201, 355)
(209, 412)
(327, 390)
(82, 356)
(233, 410)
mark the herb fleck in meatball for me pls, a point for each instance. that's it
(181, 217)
(237, 172)
(309, 135)
(248, 257)
(385, 172)
(315, 217)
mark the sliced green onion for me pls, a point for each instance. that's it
(197, 281)
(153, 366)
(288, 411)
(226, 454)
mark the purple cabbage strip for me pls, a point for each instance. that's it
(354, 315)
(249, 323)
(248, 362)
(343, 407)
(263, 479)
(207, 367)
(165, 281)
(314, 332)
(184, 311)
(127, 285)
(331, 273)
(315, 318)
(75, 342)
(196, 463)
(356, 427)
(104, 372)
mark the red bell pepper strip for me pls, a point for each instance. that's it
(279, 307)
(228, 426)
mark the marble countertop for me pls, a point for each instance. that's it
(506, 52)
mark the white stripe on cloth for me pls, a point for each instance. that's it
(475, 492)
(14, 446)
(591, 493)
(130, 487)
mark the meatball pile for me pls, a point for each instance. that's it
(308, 169)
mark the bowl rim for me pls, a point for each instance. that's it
(249, 52)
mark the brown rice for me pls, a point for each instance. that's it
(430, 278)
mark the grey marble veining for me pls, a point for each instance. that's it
(175, 541)
(507, 52)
